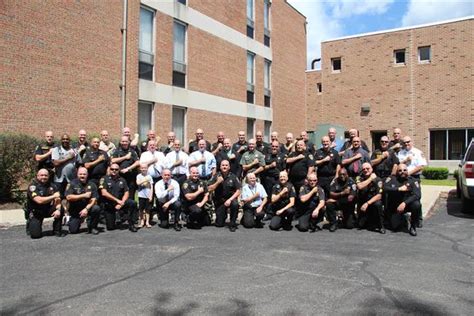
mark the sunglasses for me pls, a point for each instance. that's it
(407, 142)
(114, 169)
(384, 141)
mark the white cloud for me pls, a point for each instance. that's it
(321, 25)
(346, 8)
(427, 11)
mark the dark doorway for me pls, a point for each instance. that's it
(376, 135)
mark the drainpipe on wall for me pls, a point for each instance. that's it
(124, 63)
(313, 63)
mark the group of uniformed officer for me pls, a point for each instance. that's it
(280, 182)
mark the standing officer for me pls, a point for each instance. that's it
(309, 145)
(327, 161)
(349, 143)
(96, 161)
(283, 202)
(226, 188)
(384, 160)
(127, 159)
(133, 142)
(43, 200)
(336, 143)
(154, 159)
(43, 153)
(82, 196)
(82, 143)
(354, 157)
(167, 193)
(369, 199)
(64, 160)
(253, 201)
(105, 143)
(219, 144)
(227, 153)
(177, 161)
(290, 144)
(203, 160)
(195, 197)
(166, 149)
(151, 135)
(241, 145)
(342, 196)
(403, 195)
(117, 199)
(311, 197)
(260, 145)
(252, 160)
(397, 142)
(274, 163)
(301, 165)
(415, 161)
(194, 145)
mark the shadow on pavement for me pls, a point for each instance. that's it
(23, 306)
(163, 299)
(453, 206)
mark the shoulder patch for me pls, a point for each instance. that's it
(387, 180)
(185, 186)
(68, 186)
(32, 188)
(380, 184)
(417, 184)
(310, 156)
(354, 187)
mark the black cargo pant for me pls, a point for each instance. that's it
(92, 219)
(347, 207)
(372, 217)
(251, 218)
(164, 215)
(284, 220)
(306, 220)
(127, 212)
(36, 218)
(197, 216)
(221, 212)
(397, 218)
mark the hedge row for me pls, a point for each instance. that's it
(17, 165)
(435, 173)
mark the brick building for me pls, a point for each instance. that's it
(419, 79)
(220, 65)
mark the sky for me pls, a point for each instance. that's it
(329, 19)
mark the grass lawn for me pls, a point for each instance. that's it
(446, 182)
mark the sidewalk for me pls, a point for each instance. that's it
(429, 195)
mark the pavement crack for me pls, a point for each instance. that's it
(102, 286)
(455, 243)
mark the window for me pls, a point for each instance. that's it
(178, 123)
(250, 77)
(250, 19)
(449, 144)
(179, 54)
(250, 128)
(319, 87)
(267, 130)
(424, 54)
(266, 22)
(336, 64)
(267, 82)
(145, 118)
(399, 57)
(182, 1)
(145, 49)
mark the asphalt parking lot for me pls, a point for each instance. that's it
(250, 272)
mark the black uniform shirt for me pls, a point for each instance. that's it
(117, 187)
(190, 186)
(99, 170)
(285, 199)
(41, 150)
(338, 186)
(279, 158)
(328, 168)
(120, 152)
(236, 146)
(375, 187)
(227, 188)
(263, 147)
(235, 166)
(37, 188)
(395, 197)
(215, 145)
(76, 187)
(384, 169)
(315, 198)
(299, 169)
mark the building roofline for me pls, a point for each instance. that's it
(470, 17)
(297, 11)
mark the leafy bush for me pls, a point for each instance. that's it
(435, 173)
(456, 174)
(17, 165)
